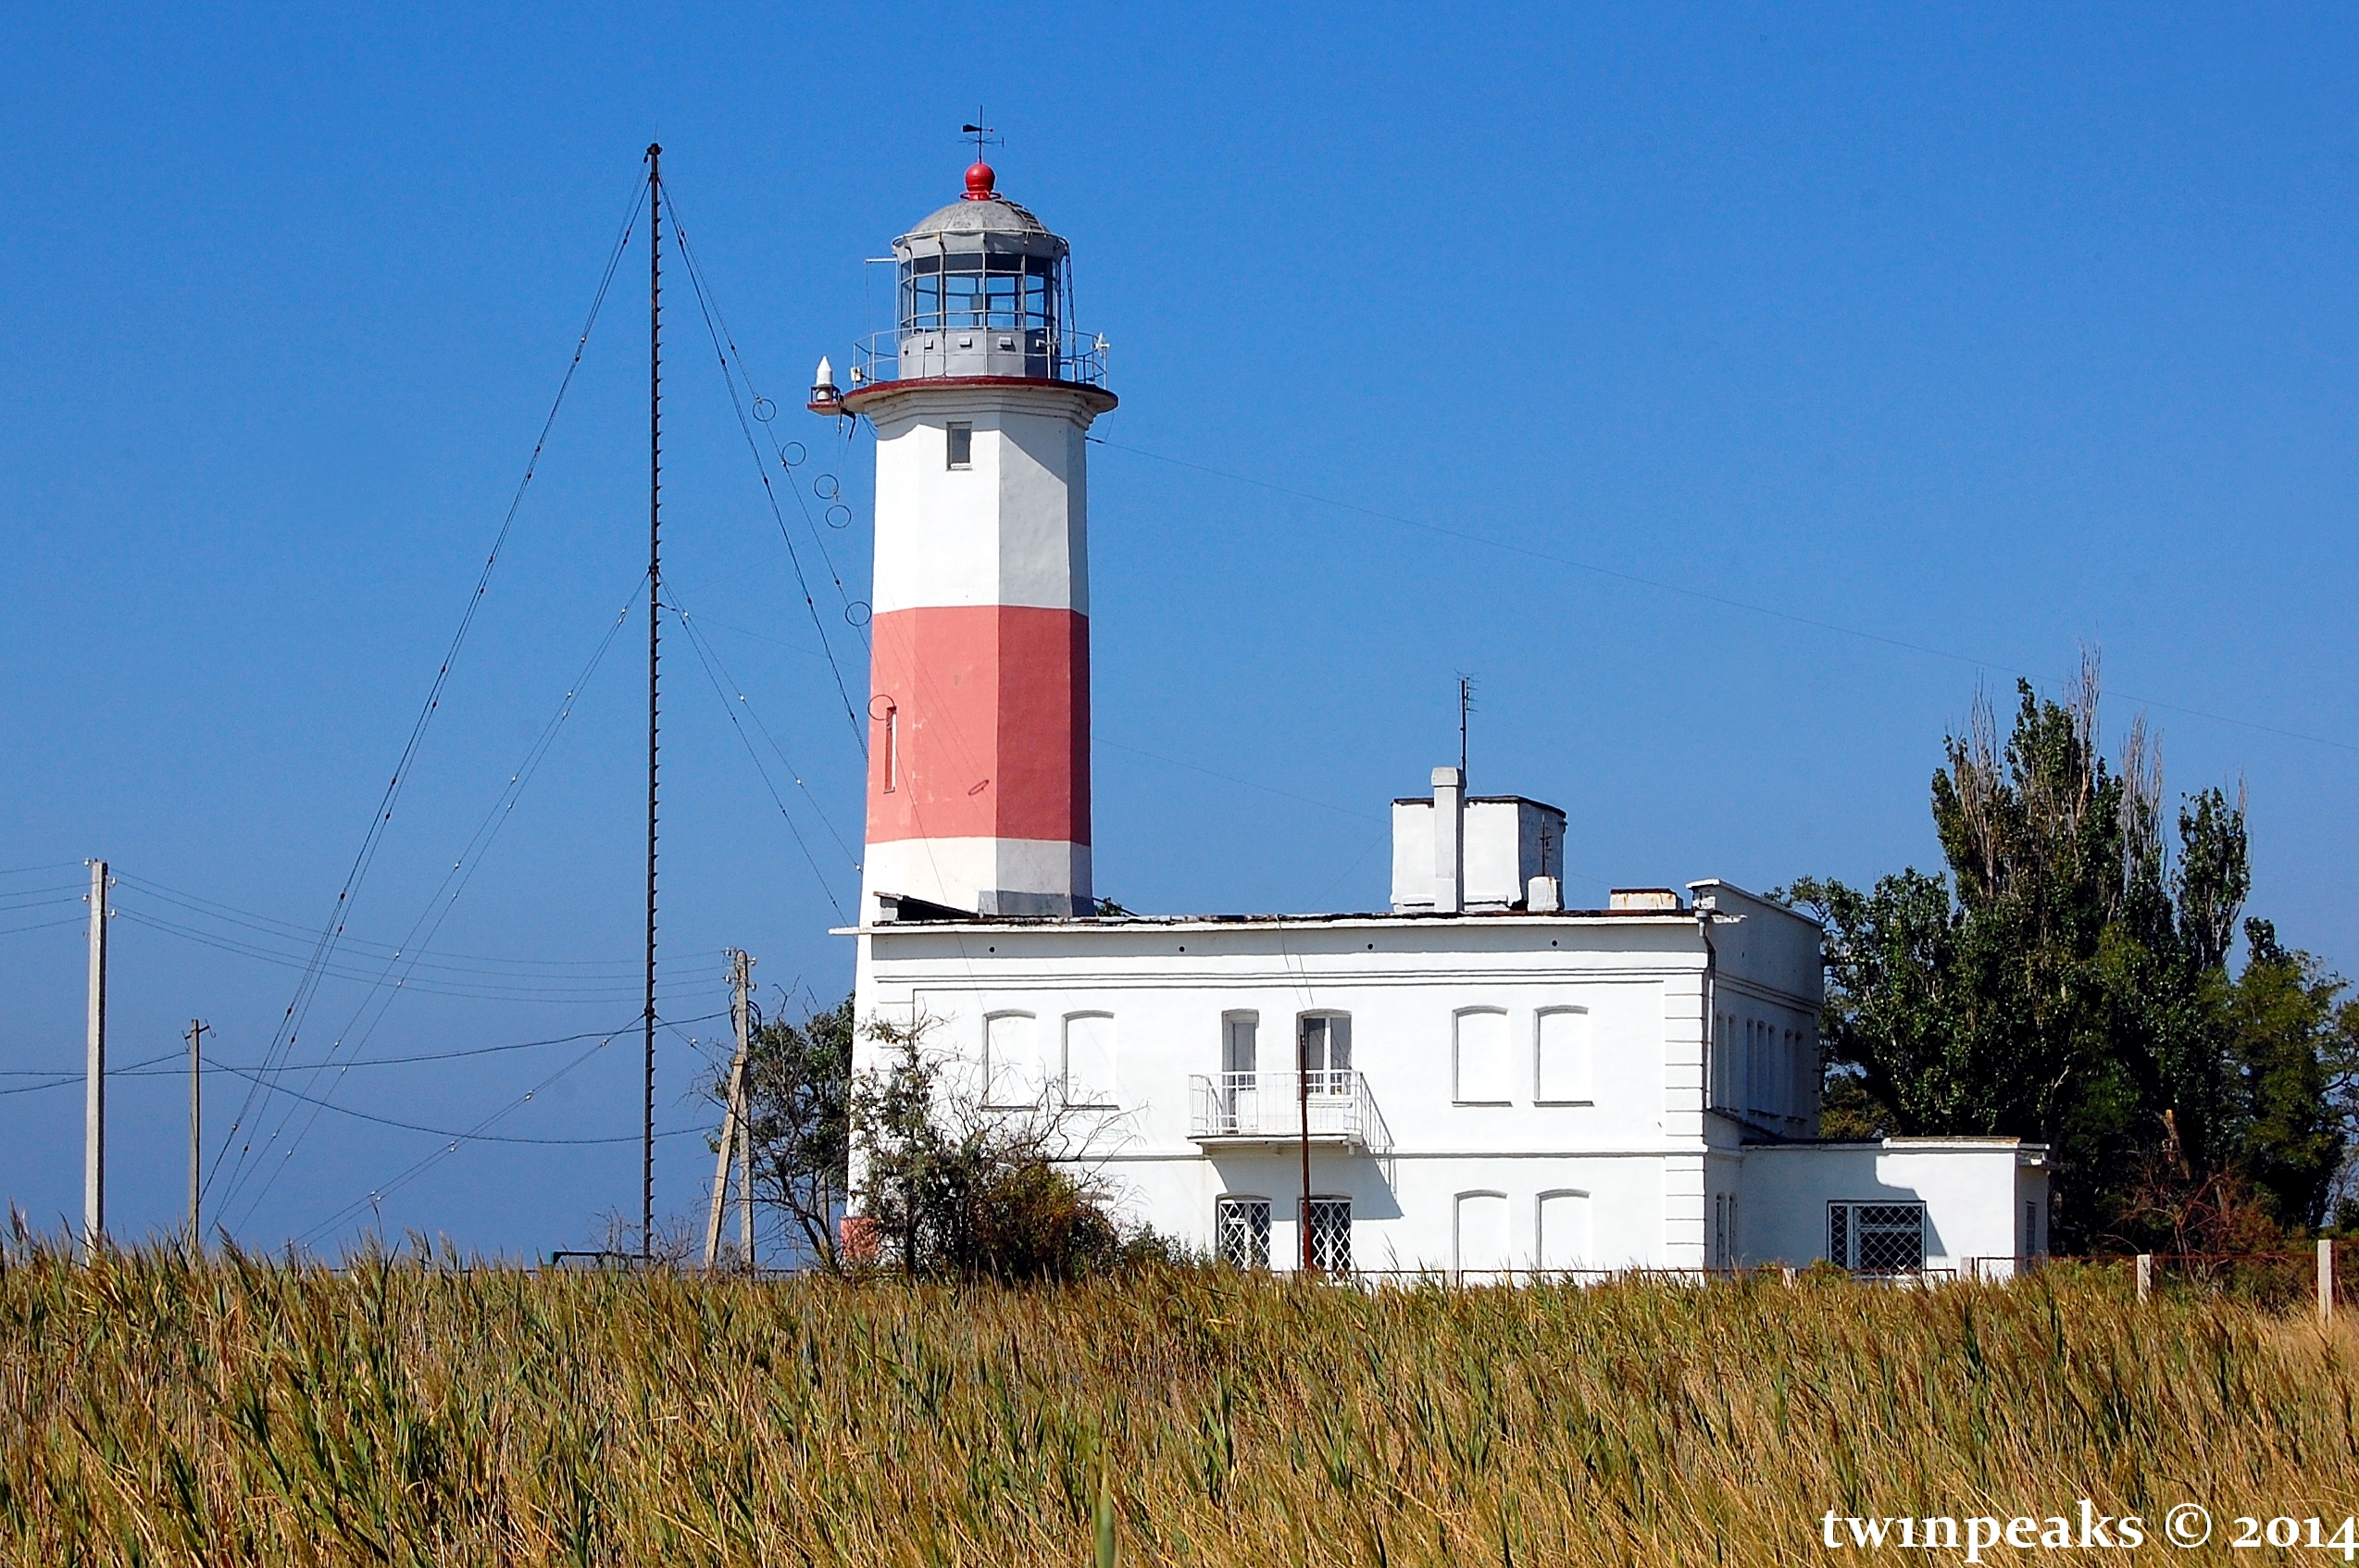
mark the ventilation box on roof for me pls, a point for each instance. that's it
(1479, 853)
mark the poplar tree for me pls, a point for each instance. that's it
(2067, 980)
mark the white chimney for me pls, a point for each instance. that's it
(1449, 840)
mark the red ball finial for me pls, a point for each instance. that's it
(978, 182)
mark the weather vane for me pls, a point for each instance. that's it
(984, 135)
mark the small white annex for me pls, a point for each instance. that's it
(1475, 1081)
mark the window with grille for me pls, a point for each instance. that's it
(1877, 1237)
(1244, 1226)
(1331, 1223)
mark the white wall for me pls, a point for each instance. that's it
(1635, 1166)
(1010, 529)
(1973, 1190)
(1630, 984)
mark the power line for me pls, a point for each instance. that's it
(148, 1069)
(1705, 595)
(589, 989)
(716, 329)
(442, 1132)
(520, 969)
(298, 1008)
(456, 1141)
(42, 925)
(454, 882)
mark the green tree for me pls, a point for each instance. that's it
(798, 1081)
(2293, 1040)
(2067, 981)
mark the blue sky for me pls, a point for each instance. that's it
(1731, 390)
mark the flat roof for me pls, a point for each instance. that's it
(1682, 916)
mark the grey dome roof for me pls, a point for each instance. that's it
(995, 214)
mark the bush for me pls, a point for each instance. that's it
(952, 1190)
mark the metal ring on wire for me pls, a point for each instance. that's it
(764, 410)
(843, 522)
(826, 488)
(858, 613)
(884, 697)
(793, 453)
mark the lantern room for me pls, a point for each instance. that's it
(984, 290)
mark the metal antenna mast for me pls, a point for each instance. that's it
(197, 1029)
(655, 650)
(1465, 705)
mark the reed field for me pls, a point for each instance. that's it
(155, 1409)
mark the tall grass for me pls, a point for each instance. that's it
(158, 1410)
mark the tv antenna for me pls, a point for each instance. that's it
(984, 135)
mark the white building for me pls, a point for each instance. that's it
(1475, 1080)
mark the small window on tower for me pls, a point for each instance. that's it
(962, 446)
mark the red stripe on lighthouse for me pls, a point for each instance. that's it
(979, 724)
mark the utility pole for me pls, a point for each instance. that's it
(745, 1130)
(654, 648)
(197, 1029)
(736, 1139)
(94, 1127)
(1303, 1093)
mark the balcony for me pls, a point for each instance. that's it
(1030, 353)
(1233, 1110)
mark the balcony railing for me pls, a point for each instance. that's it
(1271, 1108)
(1033, 353)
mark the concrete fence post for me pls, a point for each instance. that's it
(2326, 1281)
(2145, 1275)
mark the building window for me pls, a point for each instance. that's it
(1244, 1227)
(1561, 1074)
(1564, 1231)
(1481, 1062)
(1239, 1044)
(1089, 1059)
(1239, 1054)
(1325, 1052)
(1011, 1059)
(2031, 1229)
(1331, 1223)
(1877, 1237)
(962, 446)
(1482, 1234)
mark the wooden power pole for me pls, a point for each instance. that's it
(94, 1131)
(737, 1137)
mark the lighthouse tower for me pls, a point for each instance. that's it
(978, 706)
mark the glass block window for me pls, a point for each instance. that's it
(1244, 1226)
(1877, 1237)
(1331, 1223)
